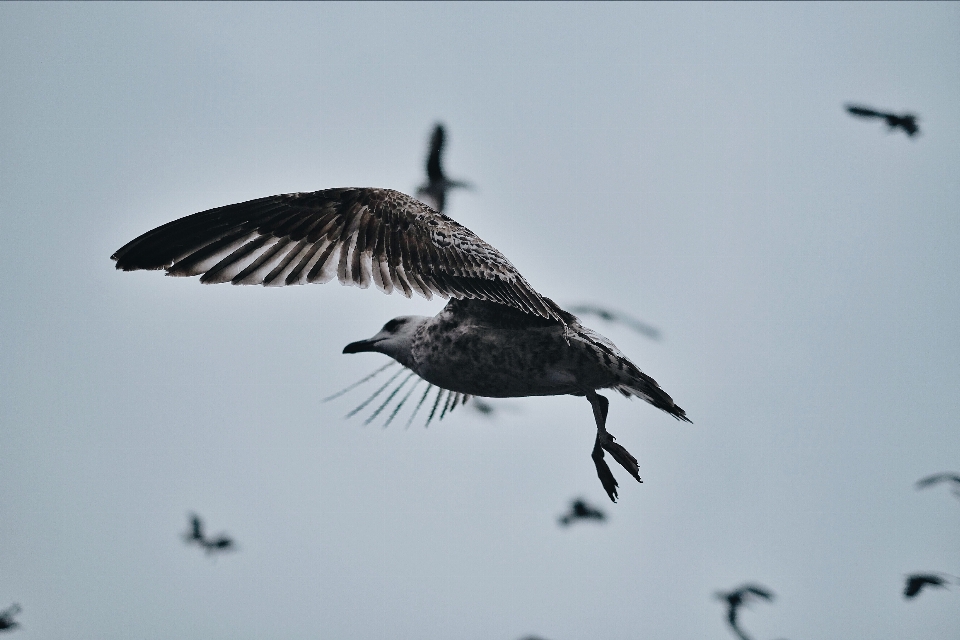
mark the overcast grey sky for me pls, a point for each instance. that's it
(690, 164)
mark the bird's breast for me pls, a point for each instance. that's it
(496, 362)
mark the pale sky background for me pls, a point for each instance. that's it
(689, 164)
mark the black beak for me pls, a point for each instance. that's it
(360, 346)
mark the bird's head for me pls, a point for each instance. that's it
(394, 340)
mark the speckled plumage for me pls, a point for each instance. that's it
(486, 349)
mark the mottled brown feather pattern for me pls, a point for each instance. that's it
(358, 236)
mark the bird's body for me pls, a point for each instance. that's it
(497, 337)
(487, 349)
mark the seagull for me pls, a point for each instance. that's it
(741, 596)
(434, 192)
(580, 510)
(195, 536)
(937, 478)
(907, 121)
(6, 617)
(916, 582)
(617, 317)
(496, 337)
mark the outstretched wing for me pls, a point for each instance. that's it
(358, 235)
(865, 112)
(758, 591)
(937, 478)
(434, 170)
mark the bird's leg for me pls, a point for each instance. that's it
(600, 405)
(606, 442)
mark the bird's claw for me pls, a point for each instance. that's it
(624, 457)
(603, 472)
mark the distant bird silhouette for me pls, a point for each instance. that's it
(195, 536)
(434, 192)
(6, 617)
(617, 317)
(740, 596)
(916, 582)
(907, 121)
(482, 407)
(580, 510)
(937, 478)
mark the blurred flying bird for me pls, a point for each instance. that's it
(619, 318)
(434, 192)
(6, 617)
(907, 121)
(937, 478)
(496, 337)
(742, 596)
(195, 536)
(915, 583)
(483, 407)
(580, 510)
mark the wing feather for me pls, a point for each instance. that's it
(358, 236)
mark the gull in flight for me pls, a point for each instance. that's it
(581, 510)
(496, 337)
(738, 598)
(434, 192)
(210, 545)
(907, 121)
(916, 582)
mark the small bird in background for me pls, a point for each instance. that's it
(738, 597)
(916, 582)
(6, 617)
(618, 318)
(937, 478)
(483, 407)
(195, 536)
(907, 121)
(434, 192)
(580, 510)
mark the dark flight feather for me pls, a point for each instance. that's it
(356, 235)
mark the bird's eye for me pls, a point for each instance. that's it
(393, 324)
